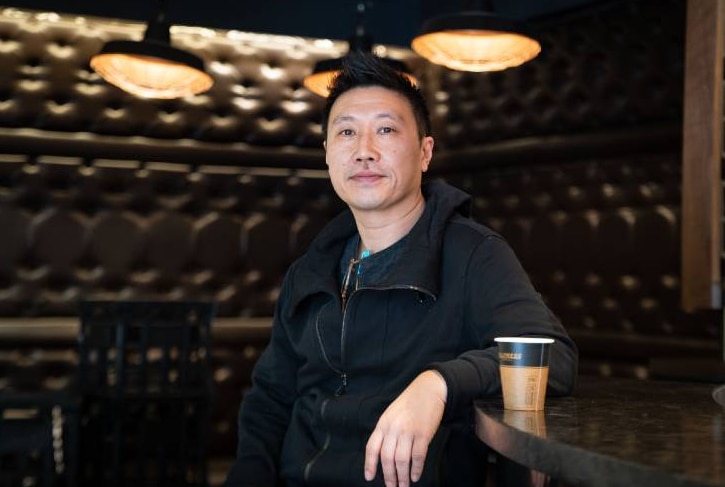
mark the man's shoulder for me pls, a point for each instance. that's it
(460, 226)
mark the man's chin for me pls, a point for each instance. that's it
(366, 204)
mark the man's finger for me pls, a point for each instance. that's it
(387, 460)
(402, 460)
(372, 453)
(420, 450)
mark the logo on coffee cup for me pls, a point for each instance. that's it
(509, 356)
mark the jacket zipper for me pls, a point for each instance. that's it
(325, 445)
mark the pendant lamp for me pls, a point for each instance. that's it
(325, 70)
(152, 67)
(476, 40)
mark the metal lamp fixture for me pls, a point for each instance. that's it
(325, 70)
(476, 40)
(152, 68)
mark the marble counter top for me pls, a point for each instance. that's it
(615, 432)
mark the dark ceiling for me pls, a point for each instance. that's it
(388, 21)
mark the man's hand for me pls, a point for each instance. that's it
(401, 437)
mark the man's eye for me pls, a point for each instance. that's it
(346, 132)
(387, 130)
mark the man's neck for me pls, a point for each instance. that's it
(380, 231)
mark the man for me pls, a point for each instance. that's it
(384, 330)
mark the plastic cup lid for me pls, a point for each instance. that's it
(524, 340)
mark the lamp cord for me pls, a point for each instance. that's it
(157, 28)
(360, 41)
(478, 5)
(161, 12)
(360, 19)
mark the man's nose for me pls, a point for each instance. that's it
(366, 149)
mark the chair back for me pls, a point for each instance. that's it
(38, 438)
(146, 380)
(26, 445)
(139, 348)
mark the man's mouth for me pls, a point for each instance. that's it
(366, 177)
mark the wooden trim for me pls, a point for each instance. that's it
(702, 155)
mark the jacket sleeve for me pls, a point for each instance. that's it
(265, 411)
(500, 300)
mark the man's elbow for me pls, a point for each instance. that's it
(563, 373)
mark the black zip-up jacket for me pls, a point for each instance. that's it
(327, 374)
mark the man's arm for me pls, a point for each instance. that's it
(500, 301)
(265, 412)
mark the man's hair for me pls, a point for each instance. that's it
(365, 69)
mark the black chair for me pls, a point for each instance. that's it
(145, 380)
(38, 438)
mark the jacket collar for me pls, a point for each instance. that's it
(316, 271)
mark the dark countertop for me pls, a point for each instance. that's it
(616, 432)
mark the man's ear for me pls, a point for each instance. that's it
(426, 149)
(324, 145)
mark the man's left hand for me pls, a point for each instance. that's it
(404, 431)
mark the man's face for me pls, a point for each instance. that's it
(373, 152)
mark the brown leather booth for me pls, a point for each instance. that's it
(573, 157)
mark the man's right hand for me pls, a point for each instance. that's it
(401, 437)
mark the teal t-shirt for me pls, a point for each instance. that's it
(366, 270)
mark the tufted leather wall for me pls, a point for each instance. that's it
(600, 240)
(48, 88)
(574, 158)
(124, 230)
(614, 66)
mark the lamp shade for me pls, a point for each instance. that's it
(322, 75)
(325, 71)
(151, 69)
(475, 41)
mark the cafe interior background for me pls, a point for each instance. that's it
(584, 158)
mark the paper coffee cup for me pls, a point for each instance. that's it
(524, 368)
